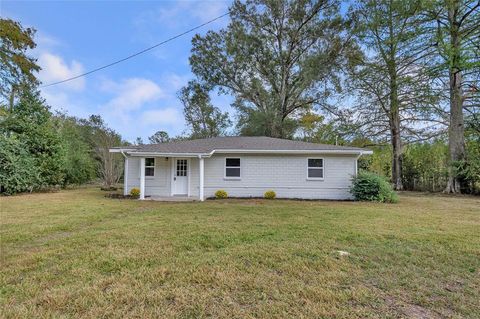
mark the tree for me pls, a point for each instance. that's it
(252, 122)
(471, 172)
(203, 119)
(138, 141)
(16, 67)
(275, 57)
(17, 167)
(457, 36)
(80, 162)
(30, 122)
(395, 94)
(314, 128)
(102, 138)
(159, 137)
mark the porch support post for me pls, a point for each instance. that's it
(201, 164)
(125, 177)
(356, 165)
(142, 178)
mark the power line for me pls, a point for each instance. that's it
(135, 54)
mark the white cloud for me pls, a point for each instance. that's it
(66, 97)
(182, 14)
(132, 93)
(175, 82)
(168, 116)
(139, 106)
(54, 69)
(45, 41)
(209, 10)
(65, 102)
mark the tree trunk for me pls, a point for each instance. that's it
(456, 138)
(12, 98)
(396, 154)
(456, 131)
(395, 129)
(277, 126)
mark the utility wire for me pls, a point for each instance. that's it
(135, 54)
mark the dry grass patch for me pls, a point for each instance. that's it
(77, 254)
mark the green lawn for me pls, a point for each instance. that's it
(78, 254)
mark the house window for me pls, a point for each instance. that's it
(315, 168)
(232, 168)
(150, 166)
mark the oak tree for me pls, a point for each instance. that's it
(276, 58)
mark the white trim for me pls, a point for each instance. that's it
(178, 155)
(225, 177)
(125, 177)
(121, 150)
(154, 170)
(174, 168)
(188, 177)
(240, 151)
(142, 178)
(346, 152)
(356, 165)
(319, 168)
(201, 172)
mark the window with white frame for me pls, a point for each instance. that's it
(315, 168)
(232, 168)
(150, 166)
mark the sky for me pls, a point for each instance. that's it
(137, 97)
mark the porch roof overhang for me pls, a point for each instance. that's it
(136, 153)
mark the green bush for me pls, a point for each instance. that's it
(18, 172)
(221, 194)
(270, 195)
(369, 186)
(135, 192)
(31, 122)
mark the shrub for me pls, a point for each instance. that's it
(221, 194)
(18, 172)
(270, 195)
(135, 192)
(369, 186)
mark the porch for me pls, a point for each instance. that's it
(166, 178)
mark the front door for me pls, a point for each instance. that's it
(180, 177)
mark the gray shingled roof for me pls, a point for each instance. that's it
(238, 143)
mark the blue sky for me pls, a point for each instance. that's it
(137, 97)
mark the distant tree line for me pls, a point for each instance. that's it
(398, 76)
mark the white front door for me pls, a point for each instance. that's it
(180, 177)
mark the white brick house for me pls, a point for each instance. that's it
(242, 166)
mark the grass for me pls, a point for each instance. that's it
(77, 254)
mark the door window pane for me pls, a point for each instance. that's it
(182, 167)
